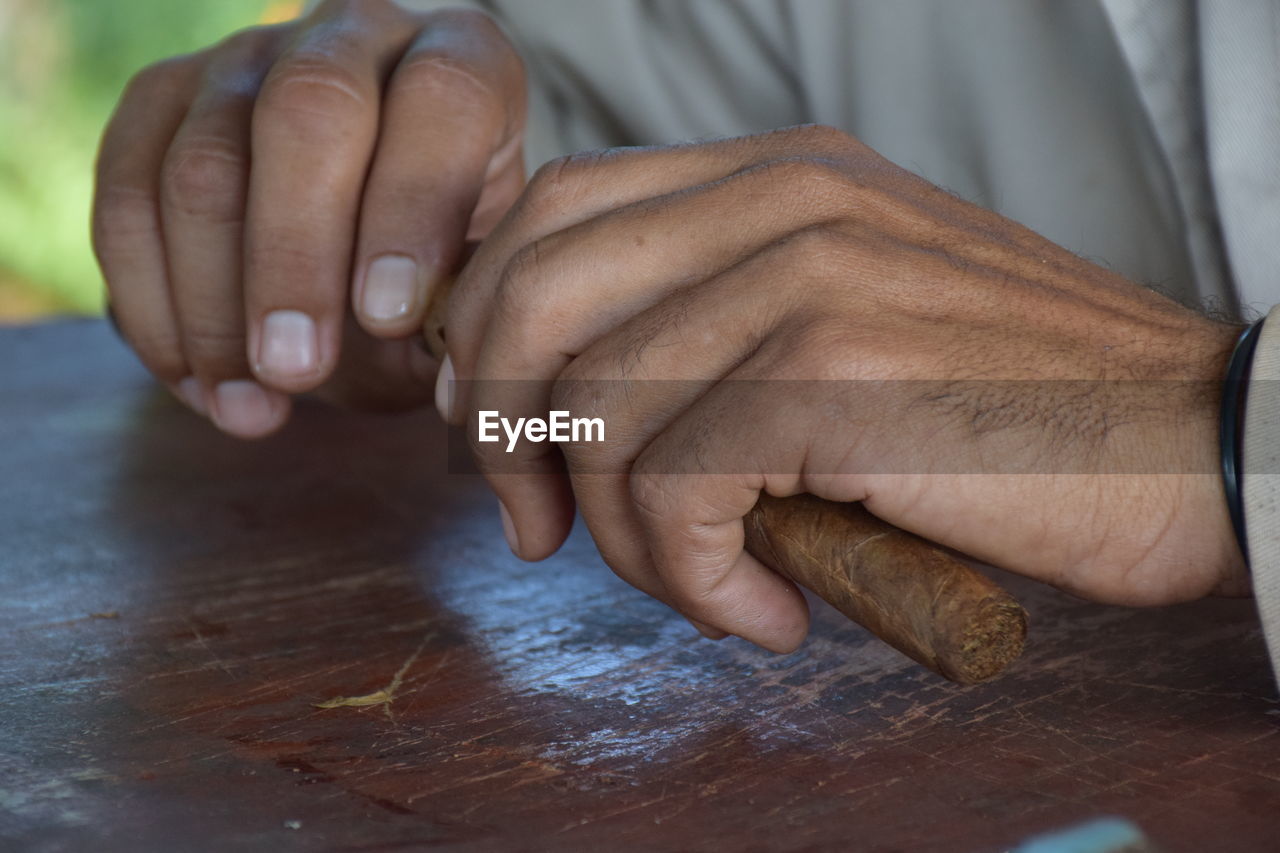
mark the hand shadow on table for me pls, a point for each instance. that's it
(318, 527)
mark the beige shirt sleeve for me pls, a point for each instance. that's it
(604, 73)
(1261, 477)
(1028, 109)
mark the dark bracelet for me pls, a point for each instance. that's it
(1235, 393)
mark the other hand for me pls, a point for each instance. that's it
(248, 194)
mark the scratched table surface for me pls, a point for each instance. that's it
(175, 607)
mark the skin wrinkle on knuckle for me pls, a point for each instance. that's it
(310, 97)
(569, 393)
(473, 39)
(825, 349)
(810, 177)
(557, 183)
(210, 347)
(444, 76)
(808, 253)
(650, 493)
(205, 180)
(527, 309)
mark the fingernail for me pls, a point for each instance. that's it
(288, 345)
(444, 393)
(509, 529)
(191, 393)
(243, 408)
(391, 289)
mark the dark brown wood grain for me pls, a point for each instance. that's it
(174, 605)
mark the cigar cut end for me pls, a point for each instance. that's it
(991, 640)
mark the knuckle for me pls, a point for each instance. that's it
(547, 186)
(812, 245)
(556, 183)
(571, 393)
(649, 490)
(525, 268)
(309, 93)
(215, 349)
(827, 349)
(473, 32)
(809, 176)
(439, 75)
(526, 304)
(284, 254)
(205, 180)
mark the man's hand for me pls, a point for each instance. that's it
(984, 388)
(249, 193)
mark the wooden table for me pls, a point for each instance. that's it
(175, 604)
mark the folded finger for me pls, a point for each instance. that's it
(313, 132)
(450, 132)
(128, 236)
(203, 193)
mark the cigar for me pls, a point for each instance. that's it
(916, 597)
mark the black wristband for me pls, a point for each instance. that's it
(1235, 392)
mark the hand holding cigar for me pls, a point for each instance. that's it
(776, 275)
(822, 356)
(922, 601)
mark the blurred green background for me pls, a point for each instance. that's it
(63, 64)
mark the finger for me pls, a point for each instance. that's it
(203, 185)
(693, 520)
(548, 308)
(313, 131)
(639, 379)
(451, 129)
(127, 234)
(580, 187)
